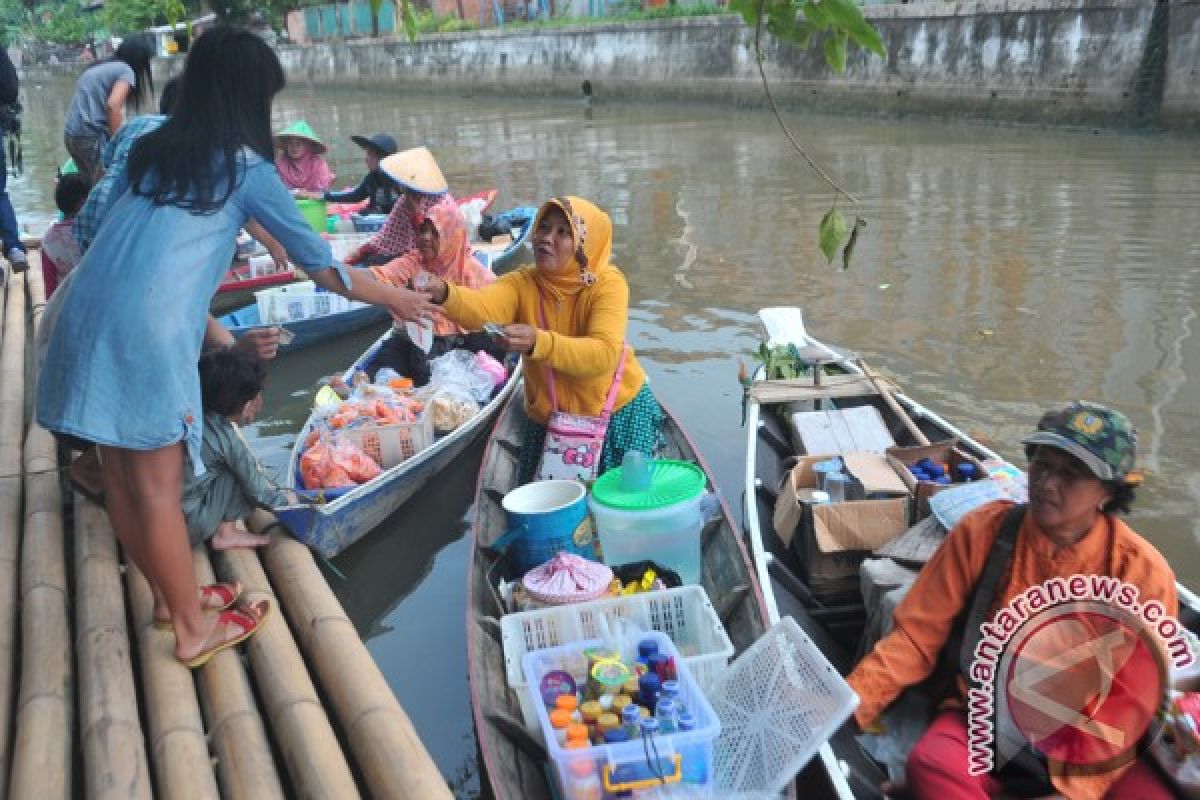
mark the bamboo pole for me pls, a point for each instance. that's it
(114, 747)
(42, 753)
(245, 766)
(313, 756)
(12, 423)
(178, 749)
(386, 747)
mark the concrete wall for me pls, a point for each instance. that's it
(1060, 61)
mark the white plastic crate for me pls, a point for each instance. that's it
(684, 614)
(628, 761)
(297, 301)
(778, 703)
(390, 445)
(343, 244)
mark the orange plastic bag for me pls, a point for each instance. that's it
(319, 469)
(350, 458)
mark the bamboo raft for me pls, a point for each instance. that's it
(92, 700)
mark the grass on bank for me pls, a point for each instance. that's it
(429, 22)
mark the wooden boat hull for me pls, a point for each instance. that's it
(331, 528)
(512, 761)
(836, 629)
(307, 332)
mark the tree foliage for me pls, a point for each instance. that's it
(839, 23)
(129, 16)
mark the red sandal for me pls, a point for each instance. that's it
(213, 597)
(248, 618)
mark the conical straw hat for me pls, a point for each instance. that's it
(302, 130)
(415, 169)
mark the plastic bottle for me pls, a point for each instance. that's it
(560, 718)
(694, 768)
(631, 716)
(578, 733)
(648, 688)
(646, 647)
(667, 715)
(568, 703)
(672, 690)
(966, 472)
(606, 723)
(584, 782)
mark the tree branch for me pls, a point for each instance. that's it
(758, 54)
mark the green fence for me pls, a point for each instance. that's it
(347, 19)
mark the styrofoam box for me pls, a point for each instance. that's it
(695, 747)
(684, 614)
(390, 445)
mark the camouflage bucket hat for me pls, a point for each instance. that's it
(1103, 439)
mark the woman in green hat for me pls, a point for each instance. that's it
(298, 159)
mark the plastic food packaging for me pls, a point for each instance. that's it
(458, 369)
(451, 409)
(491, 367)
(326, 465)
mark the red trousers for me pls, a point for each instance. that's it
(937, 769)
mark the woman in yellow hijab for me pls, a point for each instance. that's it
(567, 317)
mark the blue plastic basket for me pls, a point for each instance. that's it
(368, 223)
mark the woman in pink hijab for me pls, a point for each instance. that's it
(299, 159)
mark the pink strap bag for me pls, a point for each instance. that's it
(574, 442)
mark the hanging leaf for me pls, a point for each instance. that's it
(748, 9)
(815, 12)
(835, 51)
(833, 231)
(859, 224)
(847, 17)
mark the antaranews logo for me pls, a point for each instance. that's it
(1076, 668)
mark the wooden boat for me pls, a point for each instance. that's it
(238, 286)
(514, 761)
(349, 515)
(835, 628)
(307, 332)
(501, 252)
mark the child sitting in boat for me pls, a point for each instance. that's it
(233, 482)
(60, 248)
(299, 159)
(442, 251)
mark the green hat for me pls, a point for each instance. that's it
(1103, 439)
(302, 130)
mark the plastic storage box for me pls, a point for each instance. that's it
(676, 757)
(684, 614)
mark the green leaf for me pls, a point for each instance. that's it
(815, 12)
(846, 16)
(833, 231)
(409, 15)
(848, 252)
(789, 27)
(748, 9)
(835, 51)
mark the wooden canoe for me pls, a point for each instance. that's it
(512, 758)
(333, 526)
(837, 629)
(307, 332)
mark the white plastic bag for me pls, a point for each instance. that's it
(457, 369)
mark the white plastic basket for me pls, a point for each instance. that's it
(684, 614)
(778, 703)
(390, 445)
(628, 762)
(343, 244)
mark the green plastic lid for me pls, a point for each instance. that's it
(671, 482)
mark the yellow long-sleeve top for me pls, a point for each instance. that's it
(581, 340)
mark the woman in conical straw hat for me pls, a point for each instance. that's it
(417, 174)
(299, 159)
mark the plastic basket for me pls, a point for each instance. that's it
(390, 445)
(368, 223)
(778, 703)
(684, 614)
(343, 244)
(627, 763)
(297, 301)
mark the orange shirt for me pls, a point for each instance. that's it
(925, 618)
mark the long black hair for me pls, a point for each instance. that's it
(192, 161)
(136, 52)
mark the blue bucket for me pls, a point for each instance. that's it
(547, 517)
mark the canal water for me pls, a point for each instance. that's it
(1003, 270)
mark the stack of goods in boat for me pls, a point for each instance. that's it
(622, 717)
(361, 428)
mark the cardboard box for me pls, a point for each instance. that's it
(946, 452)
(831, 540)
